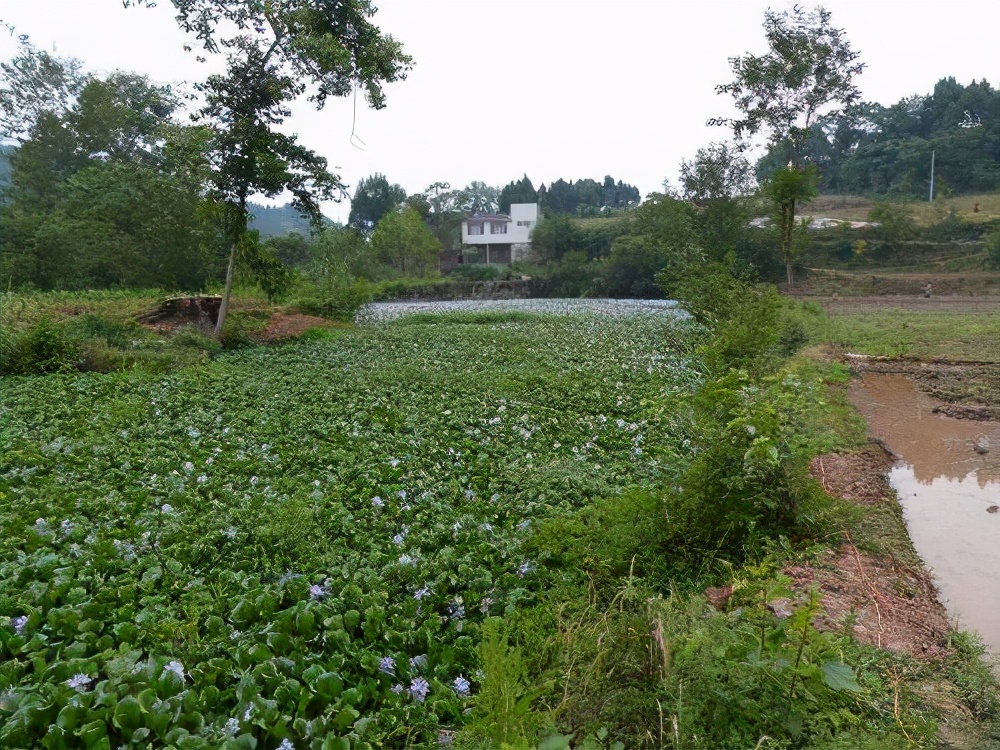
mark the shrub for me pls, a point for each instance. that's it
(338, 300)
(43, 348)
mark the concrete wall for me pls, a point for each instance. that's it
(523, 218)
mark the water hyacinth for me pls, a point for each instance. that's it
(79, 682)
(419, 688)
(341, 534)
(461, 686)
(387, 665)
(317, 592)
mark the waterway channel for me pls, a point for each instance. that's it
(948, 481)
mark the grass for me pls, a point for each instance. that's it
(901, 333)
(925, 213)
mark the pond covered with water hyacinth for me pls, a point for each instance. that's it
(379, 312)
(296, 546)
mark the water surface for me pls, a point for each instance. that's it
(946, 488)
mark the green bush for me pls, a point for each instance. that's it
(478, 272)
(43, 348)
(336, 300)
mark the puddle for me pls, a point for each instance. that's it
(945, 487)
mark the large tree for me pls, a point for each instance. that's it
(716, 181)
(521, 191)
(277, 52)
(806, 75)
(36, 83)
(403, 241)
(374, 197)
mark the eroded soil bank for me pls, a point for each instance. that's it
(947, 477)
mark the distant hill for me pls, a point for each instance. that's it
(277, 221)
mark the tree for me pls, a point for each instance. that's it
(373, 198)
(521, 191)
(786, 189)
(403, 241)
(108, 191)
(276, 52)
(718, 171)
(716, 181)
(34, 83)
(807, 74)
(478, 197)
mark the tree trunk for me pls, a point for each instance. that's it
(788, 239)
(238, 229)
(227, 290)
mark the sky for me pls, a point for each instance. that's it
(547, 88)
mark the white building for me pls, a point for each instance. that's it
(499, 238)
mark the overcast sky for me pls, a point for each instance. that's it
(547, 88)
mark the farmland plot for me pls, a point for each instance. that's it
(296, 547)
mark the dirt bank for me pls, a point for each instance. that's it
(881, 594)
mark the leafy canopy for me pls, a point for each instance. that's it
(807, 73)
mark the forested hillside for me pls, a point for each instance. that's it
(277, 221)
(887, 150)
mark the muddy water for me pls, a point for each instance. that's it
(945, 486)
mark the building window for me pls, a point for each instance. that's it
(475, 228)
(498, 227)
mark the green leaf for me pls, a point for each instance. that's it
(840, 676)
(128, 714)
(329, 685)
(556, 742)
(344, 718)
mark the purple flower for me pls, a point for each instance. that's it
(461, 686)
(524, 568)
(79, 682)
(20, 623)
(419, 688)
(397, 689)
(318, 592)
(387, 665)
(176, 667)
(421, 593)
(378, 502)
